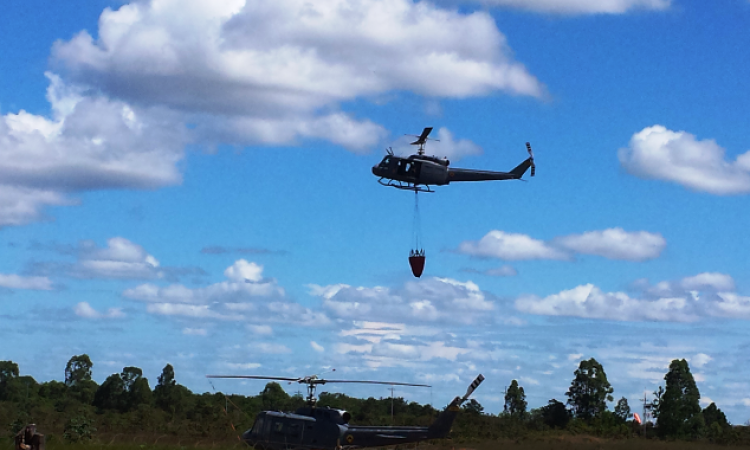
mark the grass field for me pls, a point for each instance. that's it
(119, 442)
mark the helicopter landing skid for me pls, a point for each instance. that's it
(405, 186)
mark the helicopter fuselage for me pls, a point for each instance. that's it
(419, 170)
(315, 428)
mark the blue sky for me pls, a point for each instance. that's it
(189, 183)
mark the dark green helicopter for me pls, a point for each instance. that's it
(418, 172)
(324, 428)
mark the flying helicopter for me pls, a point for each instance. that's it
(419, 171)
(323, 428)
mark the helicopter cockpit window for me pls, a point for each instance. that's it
(278, 427)
(258, 426)
(385, 161)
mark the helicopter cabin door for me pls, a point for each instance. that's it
(409, 168)
(286, 430)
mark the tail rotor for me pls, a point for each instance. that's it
(531, 157)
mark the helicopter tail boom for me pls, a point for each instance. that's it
(442, 425)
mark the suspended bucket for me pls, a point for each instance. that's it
(416, 261)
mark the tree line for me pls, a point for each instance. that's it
(78, 408)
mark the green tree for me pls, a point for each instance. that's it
(658, 394)
(555, 414)
(590, 390)
(8, 373)
(622, 409)
(81, 387)
(110, 393)
(515, 401)
(473, 407)
(167, 393)
(716, 422)
(679, 408)
(136, 389)
(78, 369)
(274, 397)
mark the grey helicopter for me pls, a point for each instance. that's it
(418, 172)
(323, 428)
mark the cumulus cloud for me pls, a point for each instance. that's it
(89, 143)
(687, 300)
(615, 243)
(83, 309)
(121, 259)
(242, 271)
(678, 156)
(591, 302)
(431, 300)
(245, 296)
(700, 360)
(13, 281)
(273, 71)
(511, 247)
(317, 347)
(581, 6)
(612, 243)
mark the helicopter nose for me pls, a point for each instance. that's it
(374, 170)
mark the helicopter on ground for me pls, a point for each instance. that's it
(324, 428)
(417, 172)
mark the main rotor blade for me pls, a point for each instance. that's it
(253, 377)
(393, 383)
(422, 138)
(426, 132)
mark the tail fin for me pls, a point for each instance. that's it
(442, 425)
(522, 168)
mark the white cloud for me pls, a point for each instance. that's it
(121, 259)
(274, 70)
(612, 243)
(510, 246)
(616, 243)
(575, 356)
(700, 360)
(677, 156)
(238, 298)
(22, 205)
(528, 380)
(685, 300)
(13, 281)
(581, 6)
(90, 143)
(590, 302)
(317, 347)
(427, 301)
(732, 305)
(83, 309)
(708, 280)
(242, 271)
